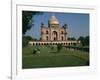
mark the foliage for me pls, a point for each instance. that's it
(71, 38)
(29, 38)
(84, 40)
(87, 40)
(25, 40)
(36, 50)
(27, 21)
(59, 47)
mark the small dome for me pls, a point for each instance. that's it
(53, 20)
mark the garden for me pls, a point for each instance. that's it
(45, 56)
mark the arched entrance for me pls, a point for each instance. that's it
(54, 34)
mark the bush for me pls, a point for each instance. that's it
(52, 47)
(36, 51)
(24, 42)
(59, 47)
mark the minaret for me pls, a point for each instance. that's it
(66, 33)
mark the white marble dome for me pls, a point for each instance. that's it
(53, 20)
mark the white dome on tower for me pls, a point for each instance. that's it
(53, 20)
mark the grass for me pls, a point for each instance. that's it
(50, 58)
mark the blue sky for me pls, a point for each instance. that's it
(78, 23)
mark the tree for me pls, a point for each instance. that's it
(27, 21)
(59, 47)
(25, 40)
(71, 38)
(87, 40)
(29, 38)
(84, 40)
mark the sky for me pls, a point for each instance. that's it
(78, 23)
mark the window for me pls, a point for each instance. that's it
(62, 32)
(62, 38)
(54, 39)
(36, 43)
(50, 43)
(46, 32)
(54, 33)
(46, 37)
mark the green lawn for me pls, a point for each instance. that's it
(51, 58)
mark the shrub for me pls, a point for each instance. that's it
(59, 47)
(24, 42)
